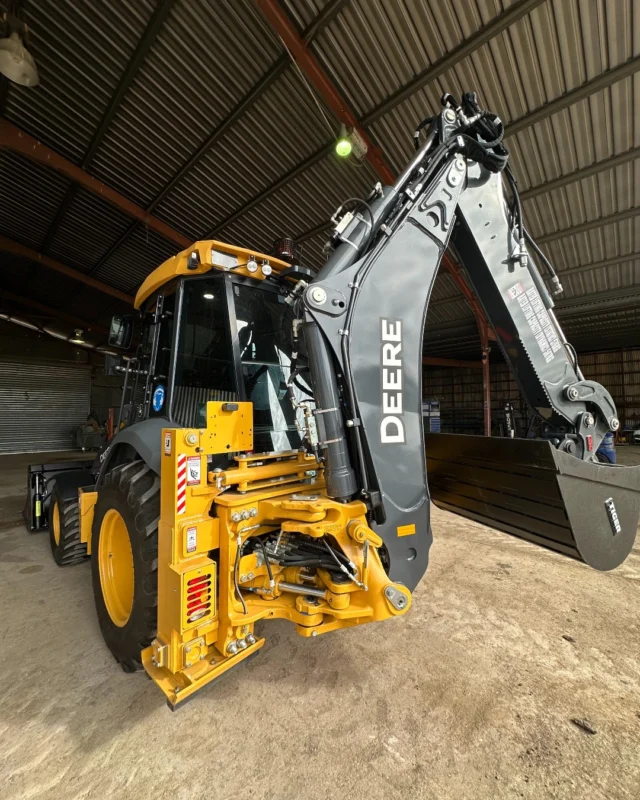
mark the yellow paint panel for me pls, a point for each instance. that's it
(177, 265)
(228, 431)
(87, 507)
(406, 530)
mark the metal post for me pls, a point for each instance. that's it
(486, 377)
(623, 416)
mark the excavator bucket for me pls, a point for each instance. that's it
(532, 490)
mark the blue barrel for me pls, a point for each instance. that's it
(607, 450)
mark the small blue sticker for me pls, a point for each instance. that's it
(158, 397)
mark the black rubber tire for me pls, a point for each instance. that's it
(134, 491)
(69, 550)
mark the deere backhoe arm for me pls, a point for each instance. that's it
(363, 327)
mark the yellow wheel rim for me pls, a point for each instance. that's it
(56, 523)
(115, 562)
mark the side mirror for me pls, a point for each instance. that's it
(121, 332)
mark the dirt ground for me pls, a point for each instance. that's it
(471, 695)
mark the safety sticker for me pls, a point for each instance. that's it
(167, 444)
(158, 397)
(181, 496)
(516, 290)
(192, 539)
(193, 470)
(539, 321)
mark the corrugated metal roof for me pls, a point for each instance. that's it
(205, 61)
(284, 127)
(81, 49)
(87, 230)
(29, 198)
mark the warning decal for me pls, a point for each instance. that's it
(515, 290)
(538, 319)
(193, 470)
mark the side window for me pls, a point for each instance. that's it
(264, 333)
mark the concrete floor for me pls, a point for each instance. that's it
(471, 695)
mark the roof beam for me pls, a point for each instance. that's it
(620, 216)
(140, 53)
(581, 174)
(600, 300)
(277, 18)
(12, 138)
(51, 312)
(449, 60)
(10, 246)
(581, 92)
(317, 26)
(331, 10)
(128, 76)
(282, 181)
(608, 262)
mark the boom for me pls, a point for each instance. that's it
(364, 318)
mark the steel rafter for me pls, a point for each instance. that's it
(583, 91)
(580, 174)
(10, 246)
(128, 76)
(270, 77)
(455, 56)
(584, 227)
(50, 312)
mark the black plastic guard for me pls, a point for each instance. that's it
(530, 489)
(69, 475)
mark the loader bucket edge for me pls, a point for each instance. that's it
(528, 488)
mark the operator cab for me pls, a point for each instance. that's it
(218, 335)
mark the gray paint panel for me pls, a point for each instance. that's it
(145, 438)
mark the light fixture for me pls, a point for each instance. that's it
(208, 296)
(77, 337)
(266, 269)
(343, 143)
(16, 62)
(252, 265)
(193, 260)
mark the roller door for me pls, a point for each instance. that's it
(41, 404)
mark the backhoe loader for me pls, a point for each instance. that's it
(270, 460)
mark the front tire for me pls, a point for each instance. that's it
(124, 560)
(64, 530)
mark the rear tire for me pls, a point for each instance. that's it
(64, 530)
(124, 560)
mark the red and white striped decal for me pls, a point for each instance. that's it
(182, 484)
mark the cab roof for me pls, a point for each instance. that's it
(211, 254)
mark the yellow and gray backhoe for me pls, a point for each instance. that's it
(271, 457)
